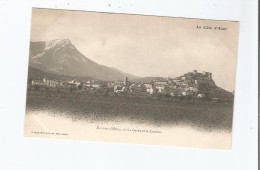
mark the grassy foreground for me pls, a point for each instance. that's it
(148, 111)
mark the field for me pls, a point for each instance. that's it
(120, 108)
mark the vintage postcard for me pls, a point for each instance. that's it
(131, 78)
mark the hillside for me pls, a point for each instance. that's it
(149, 79)
(35, 74)
(206, 85)
(62, 58)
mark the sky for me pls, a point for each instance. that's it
(145, 45)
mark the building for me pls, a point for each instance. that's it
(208, 74)
(38, 82)
(163, 89)
(50, 83)
(137, 88)
(193, 89)
(110, 84)
(123, 83)
(126, 82)
(119, 89)
(150, 90)
(148, 85)
(87, 84)
(96, 86)
(161, 82)
(201, 96)
(119, 83)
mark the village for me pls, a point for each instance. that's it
(186, 85)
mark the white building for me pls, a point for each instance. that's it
(119, 89)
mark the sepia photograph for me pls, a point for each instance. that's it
(128, 78)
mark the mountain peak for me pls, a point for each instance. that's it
(66, 41)
(52, 43)
(60, 56)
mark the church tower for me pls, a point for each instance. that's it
(126, 81)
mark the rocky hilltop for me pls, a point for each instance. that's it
(204, 84)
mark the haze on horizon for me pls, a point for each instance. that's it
(145, 45)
